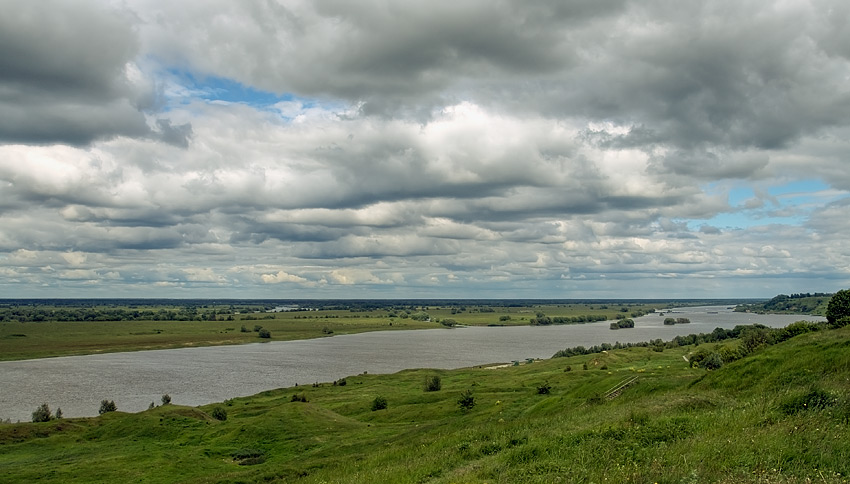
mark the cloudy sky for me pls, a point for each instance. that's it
(340, 149)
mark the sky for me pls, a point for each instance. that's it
(440, 149)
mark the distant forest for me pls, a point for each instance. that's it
(803, 303)
(35, 310)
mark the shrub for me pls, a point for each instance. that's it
(544, 389)
(219, 413)
(433, 383)
(838, 308)
(257, 328)
(244, 329)
(59, 413)
(42, 413)
(466, 400)
(107, 406)
(379, 403)
(669, 321)
(815, 399)
(712, 362)
(449, 322)
(298, 397)
(166, 399)
(264, 333)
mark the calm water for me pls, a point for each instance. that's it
(196, 376)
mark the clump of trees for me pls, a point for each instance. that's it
(838, 309)
(107, 406)
(219, 413)
(672, 321)
(623, 323)
(42, 413)
(264, 333)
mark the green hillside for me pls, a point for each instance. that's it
(779, 414)
(806, 303)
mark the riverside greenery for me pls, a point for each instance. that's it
(778, 414)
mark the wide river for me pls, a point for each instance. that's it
(197, 376)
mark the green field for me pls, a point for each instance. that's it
(53, 336)
(781, 414)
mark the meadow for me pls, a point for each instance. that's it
(781, 414)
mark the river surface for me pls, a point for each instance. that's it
(197, 376)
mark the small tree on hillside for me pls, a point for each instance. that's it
(42, 413)
(166, 399)
(107, 406)
(838, 309)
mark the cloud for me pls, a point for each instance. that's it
(508, 149)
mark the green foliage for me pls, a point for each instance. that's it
(623, 323)
(433, 383)
(219, 413)
(814, 399)
(42, 413)
(166, 399)
(248, 457)
(544, 389)
(264, 333)
(448, 322)
(838, 308)
(669, 321)
(244, 329)
(466, 400)
(107, 406)
(298, 397)
(420, 316)
(379, 403)
(59, 413)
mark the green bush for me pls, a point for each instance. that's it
(219, 413)
(42, 413)
(466, 400)
(544, 389)
(264, 333)
(379, 403)
(433, 383)
(838, 309)
(107, 406)
(166, 399)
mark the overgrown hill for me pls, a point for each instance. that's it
(805, 303)
(779, 414)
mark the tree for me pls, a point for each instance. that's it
(59, 413)
(838, 309)
(379, 403)
(264, 333)
(42, 413)
(107, 406)
(166, 399)
(219, 413)
(433, 383)
(466, 400)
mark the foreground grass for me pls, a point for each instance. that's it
(779, 415)
(42, 339)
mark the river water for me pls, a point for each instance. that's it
(197, 376)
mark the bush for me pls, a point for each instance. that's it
(257, 328)
(219, 413)
(669, 321)
(433, 383)
(298, 398)
(42, 413)
(59, 413)
(448, 322)
(838, 309)
(166, 399)
(107, 406)
(544, 389)
(264, 333)
(379, 403)
(244, 329)
(466, 400)
(712, 362)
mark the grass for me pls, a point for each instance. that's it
(25, 340)
(750, 421)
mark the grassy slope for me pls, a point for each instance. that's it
(57, 338)
(675, 425)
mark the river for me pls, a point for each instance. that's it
(197, 376)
